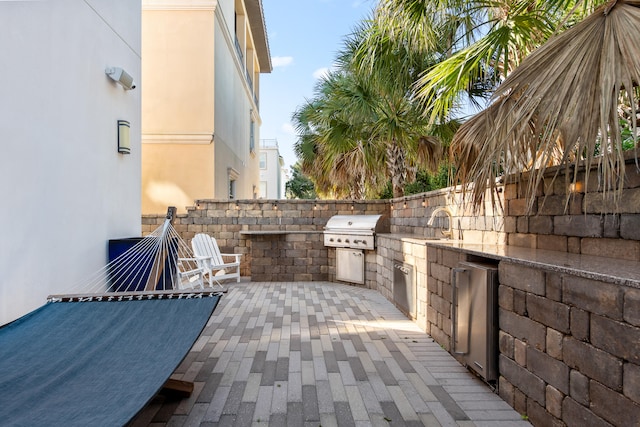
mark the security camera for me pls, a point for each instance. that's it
(119, 75)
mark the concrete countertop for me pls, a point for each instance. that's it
(611, 270)
(275, 232)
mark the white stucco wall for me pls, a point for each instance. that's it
(65, 189)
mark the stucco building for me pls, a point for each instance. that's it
(272, 170)
(200, 100)
(66, 189)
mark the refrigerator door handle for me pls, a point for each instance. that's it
(455, 313)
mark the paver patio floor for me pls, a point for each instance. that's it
(322, 354)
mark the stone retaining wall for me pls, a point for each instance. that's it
(567, 345)
(410, 215)
(568, 348)
(577, 218)
(295, 250)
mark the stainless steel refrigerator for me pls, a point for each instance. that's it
(475, 317)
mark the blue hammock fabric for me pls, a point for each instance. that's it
(94, 363)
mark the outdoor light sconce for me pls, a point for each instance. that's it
(119, 75)
(576, 187)
(124, 146)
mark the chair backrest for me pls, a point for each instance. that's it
(204, 245)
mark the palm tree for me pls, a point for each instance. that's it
(562, 105)
(333, 145)
(477, 43)
(299, 186)
(365, 124)
(390, 70)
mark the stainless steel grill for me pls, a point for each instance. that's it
(354, 231)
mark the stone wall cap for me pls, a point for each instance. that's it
(604, 269)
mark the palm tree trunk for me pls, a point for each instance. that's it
(396, 168)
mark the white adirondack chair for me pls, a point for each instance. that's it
(217, 266)
(189, 274)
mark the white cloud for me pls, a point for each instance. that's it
(321, 72)
(288, 129)
(281, 61)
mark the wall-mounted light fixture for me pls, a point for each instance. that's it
(124, 146)
(576, 187)
(119, 75)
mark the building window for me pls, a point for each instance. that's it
(232, 189)
(263, 160)
(263, 189)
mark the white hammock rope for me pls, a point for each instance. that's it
(160, 262)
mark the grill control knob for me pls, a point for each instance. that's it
(339, 240)
(346, 240)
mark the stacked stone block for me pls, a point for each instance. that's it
(395, 248)
(295, 250)
(409, 215)
(568, 348)
(577, 218)
(440, 263)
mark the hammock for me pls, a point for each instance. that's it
(160, 261)
(96, 359)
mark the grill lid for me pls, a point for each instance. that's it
(357, 224)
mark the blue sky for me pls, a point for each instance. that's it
(304, 38)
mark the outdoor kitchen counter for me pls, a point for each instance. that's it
(276, 232)
(611, 270)
(282, 255)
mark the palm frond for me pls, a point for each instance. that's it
(563, 98)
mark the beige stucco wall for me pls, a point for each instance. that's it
(177, 107)
(178, 171)
(177, 70)
(197, 105)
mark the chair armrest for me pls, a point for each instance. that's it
(195, 270)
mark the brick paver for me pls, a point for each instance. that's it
(322, 354)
